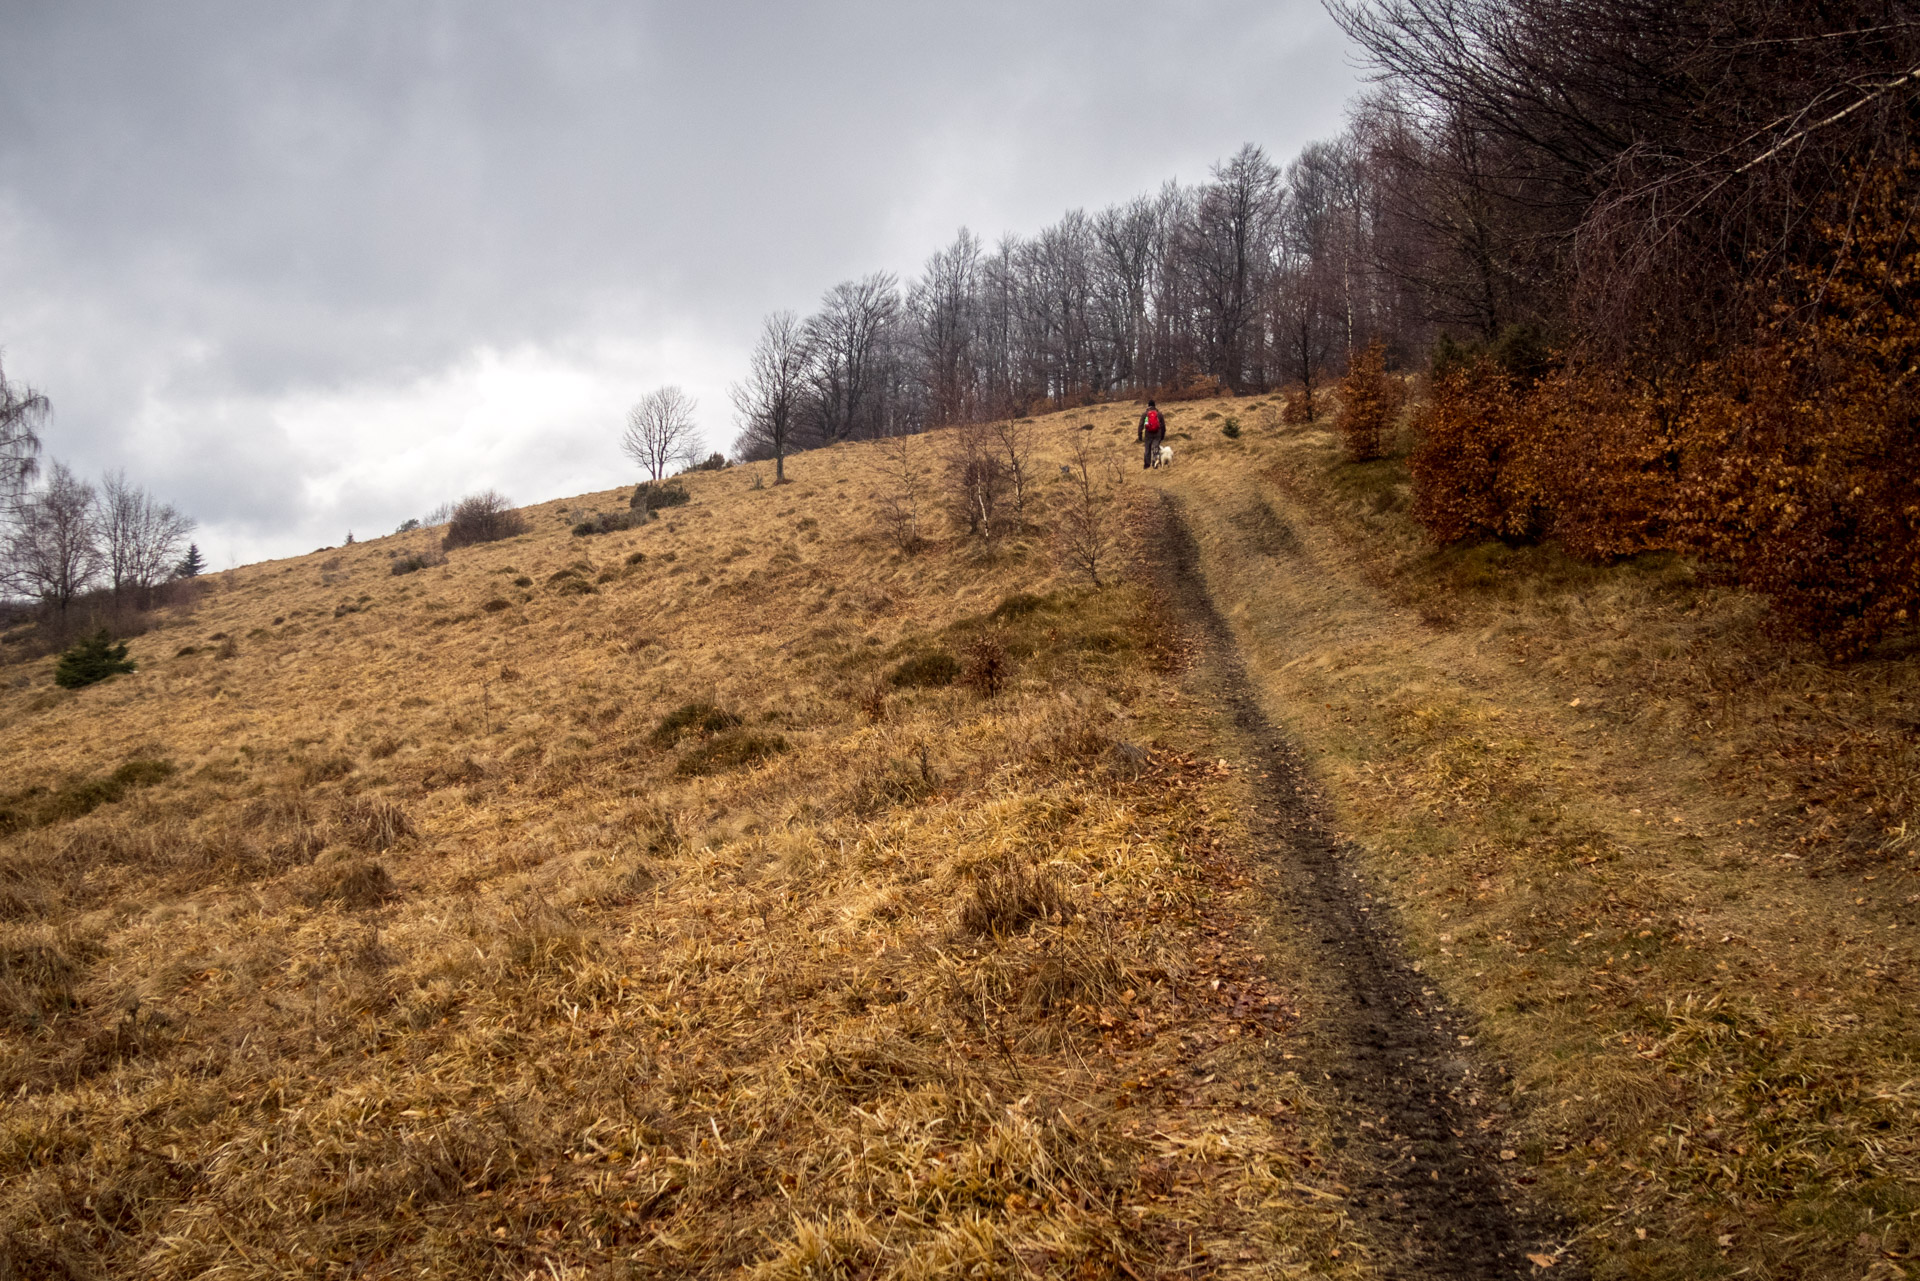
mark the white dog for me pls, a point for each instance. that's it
(1165, 457)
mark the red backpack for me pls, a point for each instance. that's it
(1153, 421)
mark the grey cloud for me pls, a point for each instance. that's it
(208, 210)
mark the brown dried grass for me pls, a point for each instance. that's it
(1664, 856)
(428, 959)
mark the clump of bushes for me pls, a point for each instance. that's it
(1230, 428)
(927, 671)
(712, 462)
(482, 518)
(610, 522)
(91, 659)
(636, 558)
(730, 750)
(653, 495)
(414, 562)
(692, 718)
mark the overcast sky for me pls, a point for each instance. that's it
(305, 268)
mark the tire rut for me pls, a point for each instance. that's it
(1416, 1139)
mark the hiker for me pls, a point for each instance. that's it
(1153, 429)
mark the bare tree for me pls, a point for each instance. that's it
(53, 549)
(902, 489)
(1013, 441)
(1227, 247)
(846, 340)
(660, 432)
(22, 409)
(944, 303)
(976, 479)
(1085, 533)
(769, 401)
(141, 538)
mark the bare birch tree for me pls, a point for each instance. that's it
(22, 409)
(1013, 441)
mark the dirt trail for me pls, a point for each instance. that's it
(1418, 1133)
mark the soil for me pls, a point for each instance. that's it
(1418, 1117)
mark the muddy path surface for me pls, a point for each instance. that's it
(1417, 1117)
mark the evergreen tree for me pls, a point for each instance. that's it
(93, 658)
(192, 564)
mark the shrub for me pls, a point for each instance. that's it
(497, 604)
(712, 462)
(92, 659)
(691, 718)
(1469, 479)
(653, 495)
(730, 750)
(414, 562)
(985, 669)
(1230, 428)
(482, 518)
(1369, 399)
(610, 522)
(1298, 406)
(927, 670)
(636, 558)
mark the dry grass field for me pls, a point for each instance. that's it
(1664, 857)
(741, 895)
(735, 895)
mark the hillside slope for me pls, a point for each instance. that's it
(1661, 855)
(650, 903)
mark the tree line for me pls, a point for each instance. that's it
(1257, 277)
(63, 537)
(1648, 270)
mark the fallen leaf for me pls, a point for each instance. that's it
(1507, 1154)
(1542, 1260)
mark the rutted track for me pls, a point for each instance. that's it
(1417, 1143)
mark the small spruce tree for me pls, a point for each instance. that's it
(191, 564)
(92, 658)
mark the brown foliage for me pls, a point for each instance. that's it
(1793, 459)
(1369, 400)
(1298, 406)
(1467, 479)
